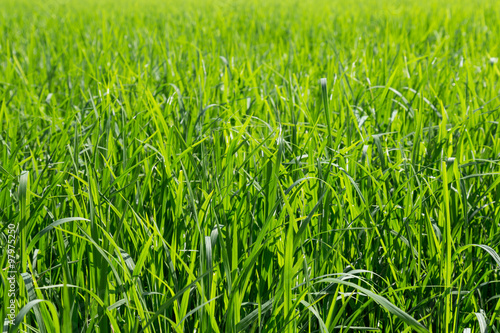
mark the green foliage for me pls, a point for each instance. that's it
(251, 166)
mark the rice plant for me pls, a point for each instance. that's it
(249, 166)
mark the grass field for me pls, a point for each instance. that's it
(250, 166)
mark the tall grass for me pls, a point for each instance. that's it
(251, 166)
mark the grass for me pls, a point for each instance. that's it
(251, 166)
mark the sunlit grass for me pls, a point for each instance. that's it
(251, 166)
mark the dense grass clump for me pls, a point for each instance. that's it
(250, 166)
